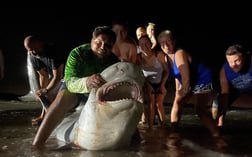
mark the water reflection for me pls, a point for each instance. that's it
(191, 140)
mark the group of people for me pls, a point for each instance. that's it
(180, 65)
(159, 58)
(81, 74)
(194, 79)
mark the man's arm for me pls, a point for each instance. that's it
(57, 76)
(223, 97)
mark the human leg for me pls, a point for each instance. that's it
(214, 108)
(63, 103)
(176, 111)
(146, 101)
(149, 110)
(152, 110)
(45, 102)
(202, 104)
(37, 120)
(159, 100)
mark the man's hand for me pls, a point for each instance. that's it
(95, 81)
(41, 92)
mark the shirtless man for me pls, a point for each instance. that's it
(125, 47)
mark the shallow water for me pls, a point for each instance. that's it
(191, 140)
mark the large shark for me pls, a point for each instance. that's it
(110, 116)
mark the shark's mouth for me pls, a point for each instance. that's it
(119, 91)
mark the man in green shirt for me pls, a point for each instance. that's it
(82, 69)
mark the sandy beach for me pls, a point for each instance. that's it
(18, 105)
(192, 140)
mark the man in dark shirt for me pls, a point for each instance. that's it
(49, 69)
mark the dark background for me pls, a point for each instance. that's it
(206, 30)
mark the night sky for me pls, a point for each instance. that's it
(205, 30)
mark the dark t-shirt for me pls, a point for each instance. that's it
(50, 61)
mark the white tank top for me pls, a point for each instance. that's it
(153, 73)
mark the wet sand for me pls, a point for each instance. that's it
(191, 140)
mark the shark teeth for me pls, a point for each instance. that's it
(119, 91)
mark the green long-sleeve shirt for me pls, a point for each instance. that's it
(81, 63)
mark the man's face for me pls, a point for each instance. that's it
(34, 48)
(102, 45)
(121, 32)
(235, 62)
